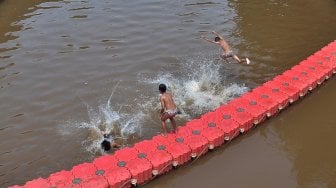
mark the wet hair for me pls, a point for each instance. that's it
(217, 39)
(162, 88)
(106, 145)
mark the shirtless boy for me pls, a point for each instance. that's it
(108, 143)
(168, 108)
(219, 40)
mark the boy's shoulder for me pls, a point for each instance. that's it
(165, 95)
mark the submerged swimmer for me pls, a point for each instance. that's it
(108, 143)
(219, 40)
(168, 108)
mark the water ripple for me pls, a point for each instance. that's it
(202, 3)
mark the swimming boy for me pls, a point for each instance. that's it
(108, 143)
(168, 108)
(219, 40)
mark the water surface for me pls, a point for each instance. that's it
(70, 70)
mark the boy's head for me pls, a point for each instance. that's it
(217, 39)
(162, 88)
(106, 145)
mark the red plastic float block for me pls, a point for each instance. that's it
(196, 124)
(275, 94)
(328, 53)
(39, 182)
(258, 112)
(192, 138)
(284, 87)
(297, 81)
(314, 78)
(263, 100)
(239, 115)
(183, 131)
(320, 75)
(214, 135)
(164, 140)
(145, 146)
(180, 152)
(298, 77)
(328, 56)
(140, 169)
(116, 176)
(160, 159)
(320, 65)
(126, 154)
(331, 47)
(62, 179)
(224, 122)
(106, 162)
(210, 131)
(85, 176)
(293, 82)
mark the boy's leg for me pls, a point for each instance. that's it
(241, 60)
(173, 122)
(164, 117)
(164, 128)
(225, 58)
(237, 59)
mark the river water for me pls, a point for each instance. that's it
(70, 70)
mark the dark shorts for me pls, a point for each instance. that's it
(227, 54)
(171, 112)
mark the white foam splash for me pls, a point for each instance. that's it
(202, 89)
(106, 120)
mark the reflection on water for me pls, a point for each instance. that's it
(59, 61)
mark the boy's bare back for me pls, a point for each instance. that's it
(167, 100)
(225, 46)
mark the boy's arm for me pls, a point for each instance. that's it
(218, 35)
(204, 38)
(162, 105)
(116, 145)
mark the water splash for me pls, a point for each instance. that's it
(202, 88)
(199, 88)
(107, 120)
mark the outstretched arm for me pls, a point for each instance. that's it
(218, 35)
(162, 105)
(206, 39)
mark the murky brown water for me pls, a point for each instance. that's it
(69, 69)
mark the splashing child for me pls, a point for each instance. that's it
(219, 40)
(108, 143)
(168, 108)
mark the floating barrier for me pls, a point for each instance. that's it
(150, 158)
